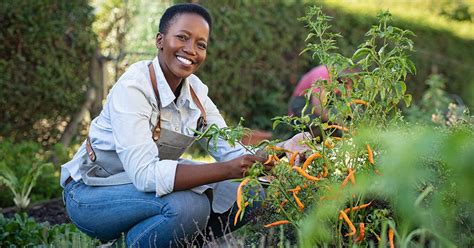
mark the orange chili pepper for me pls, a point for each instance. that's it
(310, 159)
(269, 160)
(276, 148)
(277, 223)
(361, 232)
(239, 192)
(351, 172)
(304, 174)
(370, 154)
(359, 101)
(338, 127)
(293, 158)
(328, 144)
(275, 157)
(295, 190)
(298, 202)
(326, 172)
(390, 238)
(236, 219)
(283, 203)
(337, 138)
(349, 222)
(355, 208)
(352, 177)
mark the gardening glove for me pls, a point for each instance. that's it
(296, 144)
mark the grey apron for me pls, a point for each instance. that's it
(105, 168)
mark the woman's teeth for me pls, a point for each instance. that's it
(184, 60)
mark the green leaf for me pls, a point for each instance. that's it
(360, 52)
(411, 66)
(275, 124)
(381, 51)
(407, 98)
(400, 88)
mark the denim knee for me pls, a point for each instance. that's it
(184, 214)
(188, 208)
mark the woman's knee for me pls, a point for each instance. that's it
(184, 214)
(187, 208)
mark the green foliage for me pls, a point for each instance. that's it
(436, 50)
(425, 179)
(457, 10)
(45, 51)
(20, 187)
(253, 57)
(437, 106)
(232, 135)
(24, 165)
(410, 189)
(21, 231)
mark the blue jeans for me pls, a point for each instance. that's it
(146, 220)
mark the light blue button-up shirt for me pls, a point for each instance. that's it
(126, 122)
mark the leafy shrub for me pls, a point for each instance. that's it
(436, 105)
(22, 231)
(436, 50)
(20, 159)
(45, 52)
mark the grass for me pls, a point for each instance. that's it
(417, 11)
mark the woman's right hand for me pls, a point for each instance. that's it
(240, 165)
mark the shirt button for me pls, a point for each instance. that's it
(176, 129)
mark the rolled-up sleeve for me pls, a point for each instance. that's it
(130, 114)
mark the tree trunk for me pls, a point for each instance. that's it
(93, 102)
(71, 128)
(98, 82)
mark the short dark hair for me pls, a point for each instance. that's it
(184, 8)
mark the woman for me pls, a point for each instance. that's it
(128, 177)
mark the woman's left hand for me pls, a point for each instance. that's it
(296, 144)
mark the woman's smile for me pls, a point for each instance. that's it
(184, 60)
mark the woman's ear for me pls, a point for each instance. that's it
(159, 41)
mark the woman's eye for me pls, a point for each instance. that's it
(202, 46)
(181, 37)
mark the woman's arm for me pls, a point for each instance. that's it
(190, 176)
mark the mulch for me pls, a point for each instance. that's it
(51, 211)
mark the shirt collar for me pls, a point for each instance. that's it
(166, 94)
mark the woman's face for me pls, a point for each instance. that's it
(182, 49)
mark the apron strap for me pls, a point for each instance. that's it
(202, 121)
(156, 131)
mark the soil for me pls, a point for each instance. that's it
(51, 211)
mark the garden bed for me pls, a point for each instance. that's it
(51, 211)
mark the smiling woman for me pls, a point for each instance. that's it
(128, 177)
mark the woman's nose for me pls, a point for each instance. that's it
(189, 48)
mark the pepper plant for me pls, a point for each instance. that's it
(338, 178)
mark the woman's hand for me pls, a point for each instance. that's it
(295, 144)
(240, 165)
